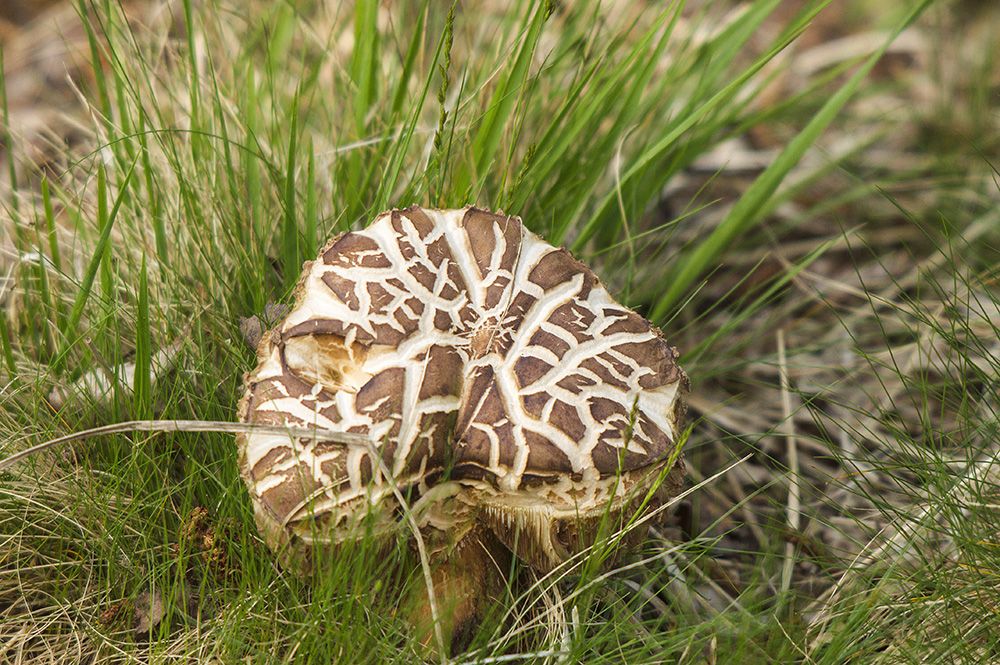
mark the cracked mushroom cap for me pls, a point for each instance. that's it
(501, 385)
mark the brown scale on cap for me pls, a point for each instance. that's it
(520, 405)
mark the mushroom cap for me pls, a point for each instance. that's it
(499, 381)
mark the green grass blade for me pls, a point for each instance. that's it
(591, 99)
(689, 119)
(254, 227)
(152, 195)
(311, 215)
(106, 222)
(193, 82)
(365, 64)
(96, 56)
(50, 224)
(409, 62)
(142, 393)
(729, 331)
(7, 139)
(494, 123)
(107, 277)
(639, 70)
(41, 324)
(8, 352)
(53, 246)
(290, 232)
(394, 169)
(745, 211)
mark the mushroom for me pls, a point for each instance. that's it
(501, 391)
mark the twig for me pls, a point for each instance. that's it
(794, 491)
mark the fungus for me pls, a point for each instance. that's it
(503, 392)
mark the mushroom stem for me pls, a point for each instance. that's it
(472, 576)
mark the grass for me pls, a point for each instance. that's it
(843, 490)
